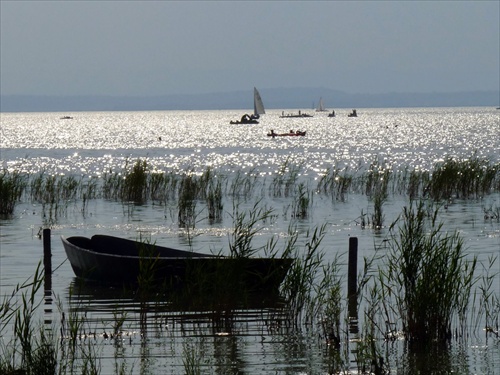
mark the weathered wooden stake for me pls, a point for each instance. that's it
(47, 259)
(352, 282)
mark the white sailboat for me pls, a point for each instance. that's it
(258, 105)
(321, 106)
(258, 109)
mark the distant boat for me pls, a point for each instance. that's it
(292, 115)
(353, 114)
(321, 106)
(297, 133)
(258, 109)
(66, 118)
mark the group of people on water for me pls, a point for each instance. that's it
(292, 132)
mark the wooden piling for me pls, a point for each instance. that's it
(47, 259)
(352, 282)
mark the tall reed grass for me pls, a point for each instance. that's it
(12, 187)
(428, 276)
(463, 178)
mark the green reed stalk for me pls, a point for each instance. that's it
(429, 276)
(299, 284)
(243, 184)
(135, 183)
(456, 178)
(12, 186)
(302, 202)
(284, 181)
(335, 183)
(188, 193)
(214, 201)
(245, 229)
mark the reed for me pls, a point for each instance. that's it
(462, 178)
(489, 302)
(428, 275)
(284, 180)
(214, 202)
(379, 198)
(245, 229)
(192, 359)
(187, 196)
(302, 202)
(112, 185)
(54, 189)
(135, 183)
(299, 284)
(336, 183)
(243, 184)
(163, 186)
(12, 187)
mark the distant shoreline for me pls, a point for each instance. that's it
(299, 98)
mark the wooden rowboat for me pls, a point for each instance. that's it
(113, 260)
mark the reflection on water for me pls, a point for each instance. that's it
(156, 335)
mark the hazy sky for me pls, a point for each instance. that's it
(168, 47)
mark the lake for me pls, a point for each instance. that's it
(159, 338)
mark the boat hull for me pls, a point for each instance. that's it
(112, 260)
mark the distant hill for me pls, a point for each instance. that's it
(274, 98)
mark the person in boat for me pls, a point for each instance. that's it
(245, 118)
(272, 133)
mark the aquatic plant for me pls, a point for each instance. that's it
(462, 178)
(336, 183)
(299, 284)
(12, 187)
(214, 201)
(187, 196)
(245, 228)
(428, 276)
(135, 183)
(242, 184)
(284, 180)
(302, 202)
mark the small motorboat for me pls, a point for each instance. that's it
(353, 114)
(292, 133)
(295, 115)
(119, 261)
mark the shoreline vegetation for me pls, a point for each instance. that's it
(420, 287)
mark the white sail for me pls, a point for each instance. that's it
(321, 106)
(258, 106)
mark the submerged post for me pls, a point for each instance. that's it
(352, 282)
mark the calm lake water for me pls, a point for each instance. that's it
(157, 339)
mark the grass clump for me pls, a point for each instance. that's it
(12, 186)
(135, 183)
(456, 178)
(428, 276)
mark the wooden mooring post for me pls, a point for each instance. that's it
(352, 282)
(47, 261)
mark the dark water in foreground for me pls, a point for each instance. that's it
(157, 336)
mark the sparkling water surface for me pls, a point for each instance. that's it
(94, 143)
